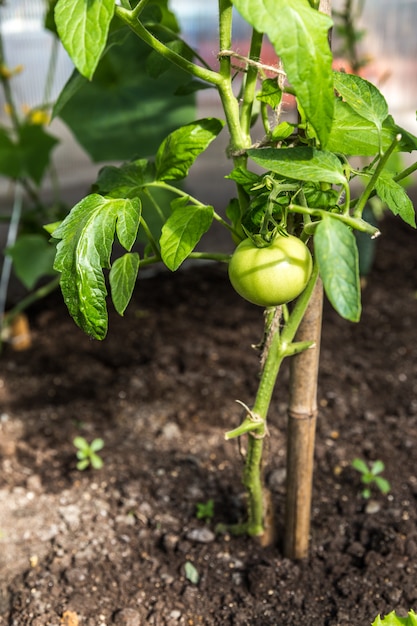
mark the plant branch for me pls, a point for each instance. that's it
(130, 18)
(218, 257)
(354, 222)
(407, 172)
(371, 184)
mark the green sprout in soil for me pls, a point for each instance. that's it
(87, 453)
(191, 573)
(205, 510)
(370, 476)
(392, 619)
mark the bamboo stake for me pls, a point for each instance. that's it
(302, 416)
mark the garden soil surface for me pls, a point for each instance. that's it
(123, 545)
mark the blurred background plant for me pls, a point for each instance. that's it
(123, 113)
(25, 159)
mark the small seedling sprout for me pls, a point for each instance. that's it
(205, 510)
(87, 453)
(392, 619)
(191, 573)
(370, 476)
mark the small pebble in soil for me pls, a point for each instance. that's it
(372, 507)
(276, 478)
(201, 535)
(127, 617)
(170, 541)
(175, 614)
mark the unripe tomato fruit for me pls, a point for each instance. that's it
(272, 275)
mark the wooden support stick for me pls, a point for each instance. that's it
(302, 415)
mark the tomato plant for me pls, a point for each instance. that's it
(294, 177)
(273, 274)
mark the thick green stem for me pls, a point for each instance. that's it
(278, 346)
(239, 140)
(249, 90)
(252, 475)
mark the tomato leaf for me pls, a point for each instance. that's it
(337, 257)
(29, 156)
(123, 275)
(362, 97)
(395, 198)
(301, 163)
(299, 35)
(179, 150)
(87, 236)
(352, 134)
(33, 258)
(126, 181)
(83, 28)
(183, 230)
(35, 147)
(270, 93)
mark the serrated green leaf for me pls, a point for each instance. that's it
(244, 177)
(282, 131)
(180, 149)
(337, 257)
(33, 258)
(87, 236)
(353, 135)
(299, 35)
(270, 93)
(83, 27)
(301, 163)
(123, 275)
(126, 181)
(395, 197)
(182, 231)
(362, 96)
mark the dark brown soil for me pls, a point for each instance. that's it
(106, 547)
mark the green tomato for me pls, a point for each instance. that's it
(272, 275)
